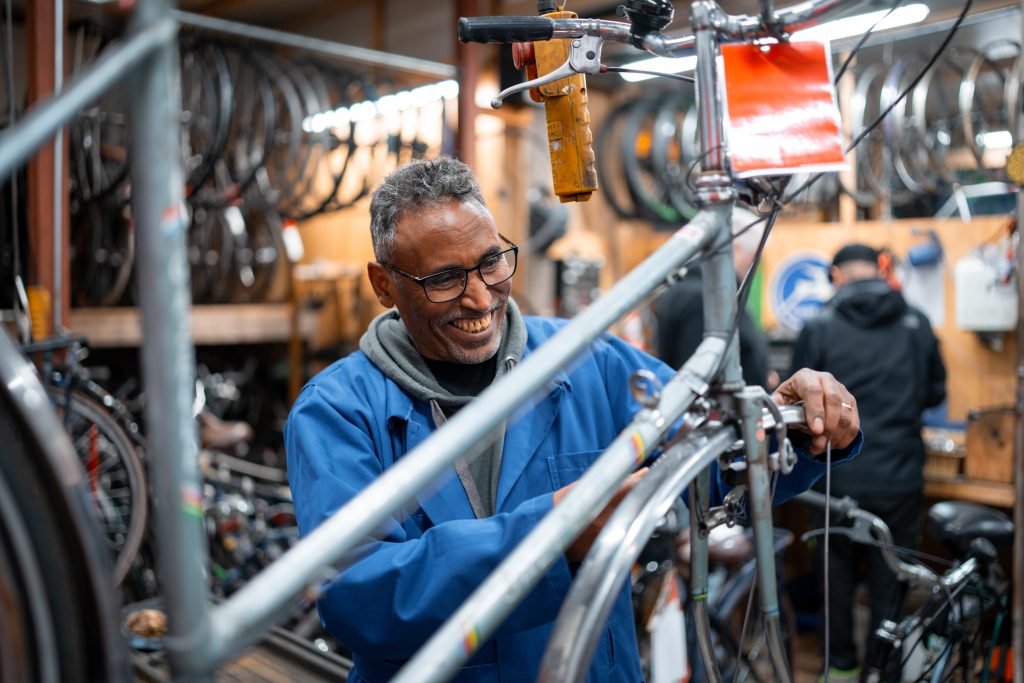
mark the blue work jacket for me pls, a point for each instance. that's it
(351, 423)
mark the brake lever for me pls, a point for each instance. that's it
(584, 57)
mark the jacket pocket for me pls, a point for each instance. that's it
(565, 468)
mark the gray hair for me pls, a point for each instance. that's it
(420, 184)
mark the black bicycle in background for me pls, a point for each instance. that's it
(106, 439)
(957, 632)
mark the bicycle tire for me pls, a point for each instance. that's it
(58, 614)
(255, 256)
(667, 157)
(206, 106)
(861, 191)
(874, 164)
(103, 252)
(909, 155)
(100, 138)
(613, 183)
(250, 134)
(115, 473)
(336, 88)
(276, 177)
(987, 83)
(312, 143)
(936, 113)
(635, 147)
(212, 238)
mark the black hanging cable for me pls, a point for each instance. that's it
(860, 43)
(656, 74)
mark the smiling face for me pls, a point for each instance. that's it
(453, 235)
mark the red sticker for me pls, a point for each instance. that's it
(781, 114)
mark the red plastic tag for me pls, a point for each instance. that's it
(781, 114)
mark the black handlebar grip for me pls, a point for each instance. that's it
(504, 29)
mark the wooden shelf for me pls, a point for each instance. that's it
(211, 325)
(993, 493)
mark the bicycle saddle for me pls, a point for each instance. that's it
(957, 523)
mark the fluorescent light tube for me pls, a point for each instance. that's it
(832, 30)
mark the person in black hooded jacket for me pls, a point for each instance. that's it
(884, 351)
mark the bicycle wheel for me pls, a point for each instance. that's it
(57, 620)
(114, 472)
(984, 106)
(610, 163)
(103, 252)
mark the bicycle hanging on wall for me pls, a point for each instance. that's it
(717, 417)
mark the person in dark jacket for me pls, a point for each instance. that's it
(679, 312)
(884, 351)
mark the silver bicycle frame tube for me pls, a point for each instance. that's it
(168, 357)
(759, 500)
(480, 615)
(700, 491)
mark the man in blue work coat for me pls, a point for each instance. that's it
(446, 271)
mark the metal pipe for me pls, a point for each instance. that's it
(920, 30)
(481, 614)
(238, 622)
(759, 500)
(699, 507)
(59, 198)
(719, 292)
(168, 358)
(1017, 611)
(20, 141)
(351, 53)
(709, 110)
(468, 58)
(603, 574)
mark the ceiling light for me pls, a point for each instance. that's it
(387, 105)
(859, 24)
(832, 30)
(997, 139)
(661, 65)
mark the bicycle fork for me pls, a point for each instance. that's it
(759, 499)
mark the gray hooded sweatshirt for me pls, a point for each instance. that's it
(388, 345)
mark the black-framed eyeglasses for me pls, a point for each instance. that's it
(450, 284)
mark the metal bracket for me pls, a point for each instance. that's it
(584, 57)
(646, 388)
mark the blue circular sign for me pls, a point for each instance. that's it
(799, 287)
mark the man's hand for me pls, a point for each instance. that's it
(581, 546)
(830, 410)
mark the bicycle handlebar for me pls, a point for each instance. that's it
(504, 29)
(509, 29)
(847, 508)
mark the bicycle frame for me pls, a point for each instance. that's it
(201, 638)
(617, 547)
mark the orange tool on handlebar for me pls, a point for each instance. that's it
(565, 108)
